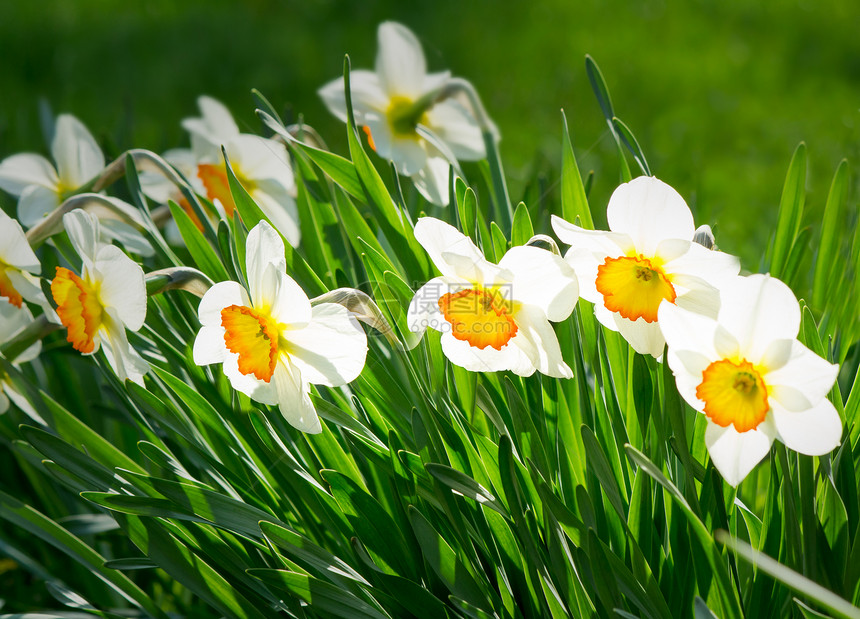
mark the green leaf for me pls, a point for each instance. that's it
(201, 252)
(574, 202)
(521, 230)
(463, 484)
(629, 140)
(828, 247)
(790, 212)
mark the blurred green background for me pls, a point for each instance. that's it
(718, 93)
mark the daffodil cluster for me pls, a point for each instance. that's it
(730, 340)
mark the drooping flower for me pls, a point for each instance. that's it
(39, 185)
(261, 166)
(271, 342)
(396, 106)
(647, 258)
(493, 317)
(108, 297)
(19, 266)
(746, 371)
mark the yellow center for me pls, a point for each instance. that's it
(734, 393)
(634, 287)
(7, 289)
(214, 177)
(79, 308)
(253, 335)
(403, 116)
(479, 316)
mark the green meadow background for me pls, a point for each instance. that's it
(718, 93)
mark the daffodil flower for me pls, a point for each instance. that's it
(493, 317)
(12, 321)
(40, 186)
(19, 266)
(748, 373)
(646, 258)
(271, 342)
(397, 107)
(108, 297)
(261, 166)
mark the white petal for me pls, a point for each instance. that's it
(331, 349)
(688, 366)
(803, 381)
(441, 241)
(510, 357)
(814, 431)
(649, 211)
(400, 61)
(542, 279)
(14, 248)
(696, 295)
(78, 156)
(293, 399)
(258, 390)
(83, 231)
(645, 337)
(684, 330)
(25, 169)
(367, 95)
(757, 310)
(716, 267)
(433, 179)
(262, 248)
(219, 296)
(287, 302)
(408, 153)
(209, 346)
(122, 286)
(541, 343)
(125, 360)
(456, 125)
(12, 320)
(424, 308)
(218, 119)
(256, 158)
(734, 453)
(277, 203)
(35, 203)
(28, 286)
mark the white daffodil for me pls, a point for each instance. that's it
(39, 186)
(398, 109)
(19, 266)
(107, 298)
(271, 342)
(260, 165)
(748, 373)
(12, 321)
(648, 256)
(493, 317)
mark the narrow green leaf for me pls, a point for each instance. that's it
(201, 252)
(790, 212)
(574, 202)
(828, 246)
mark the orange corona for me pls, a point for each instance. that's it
(214, 177)
(8, 290)
(734, 393)
(79, 308)
(254, 337)
(634, 287)
(480, 317)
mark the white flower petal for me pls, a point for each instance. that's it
(25, 169)
(122, 286)
(331, 349)
(128, 236)
(258, 390)
(688, 331)
(424, 309)
(535, 336)
(803, 381)
(542, 279)
(35, 203)
(83, 231)
(734, 453)
(441, 241)
(14, 248)
(688, 366)
(219, 296)
(256, 158)
(277, 203)
(814, 431)
(209, 346)
(510, 357)
(288, 304)
(367, 95)
(262, 248)
(757, 310)
(219, 121)
(408, 153)
(293, 399)
(645, 337)
(777, 354)
(78, 156)
(433, 179)
(400, 60)
(28, 286)
(696, 295)
(457, 127)
(716, 267)
(12, 320)
(649, 211)
(125, 360)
